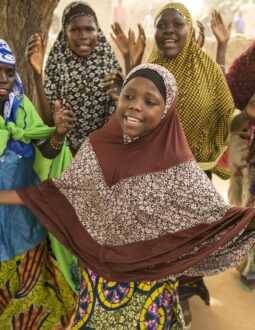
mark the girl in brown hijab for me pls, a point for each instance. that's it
(138, 212)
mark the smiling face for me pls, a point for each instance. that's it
(81, 35)
(171, 33)
(7, 79)
(140, 107)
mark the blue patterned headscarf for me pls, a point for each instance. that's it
(6, 54)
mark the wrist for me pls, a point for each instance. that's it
(126, 56)
(60, 138)
(223, 44)
(247, 115)
(37, 75)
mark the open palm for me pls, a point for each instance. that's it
(137, 45)
(35, 53)
(220, 29)
(120, 38)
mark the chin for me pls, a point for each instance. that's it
(131, 134)
(170, 54)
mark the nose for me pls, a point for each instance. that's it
(136, 104)
(83, 34)
(169, 28)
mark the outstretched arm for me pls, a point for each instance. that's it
(34, 56)
(222, 34)
(10, 197)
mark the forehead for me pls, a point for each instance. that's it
(142, 84)
(82, 21)
(6, 67)
(170, 14)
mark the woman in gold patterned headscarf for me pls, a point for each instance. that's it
(205, 104)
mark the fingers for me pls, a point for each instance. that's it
(120, 75)
(131, 36)
(116, 28)
(57, 107)
(109, 79)
(200, 26)
(34, 45)
(67, 118)
(112, 92)
(113, 38)
(141, 32)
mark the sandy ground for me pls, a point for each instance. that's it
(232, 308)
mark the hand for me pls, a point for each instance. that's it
(120, 39)
(137, 46)
(35, 53)
(219, 28)
(110, 81)
(63, 120)
(201, 34)
(250, 108)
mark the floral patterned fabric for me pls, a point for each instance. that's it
(127, 305)
(78, 81)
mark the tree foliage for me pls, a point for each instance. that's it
(19, 20)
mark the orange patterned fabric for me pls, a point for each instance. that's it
(33, 292)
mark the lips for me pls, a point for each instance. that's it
(132, 121)
(3, 91)
(169, 43)
(84, 46)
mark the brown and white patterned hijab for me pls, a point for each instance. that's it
(164, 147)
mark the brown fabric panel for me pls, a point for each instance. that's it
(149, 260)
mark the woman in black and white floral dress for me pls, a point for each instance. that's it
(78, 62)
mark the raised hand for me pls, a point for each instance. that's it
(120, 39)
(219, 28)
(201, 34)
(63, 120)
(35, 53)
(113, 83)
(137, 45)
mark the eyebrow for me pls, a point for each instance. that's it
(131, 89)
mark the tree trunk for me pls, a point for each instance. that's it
(19, 20)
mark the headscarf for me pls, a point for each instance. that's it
(119, 160)
(155, 215)
(78, 81)
(205, 104)
(6, 54)
(241, 77)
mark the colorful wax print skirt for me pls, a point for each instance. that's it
(105, 305)
(33, 292)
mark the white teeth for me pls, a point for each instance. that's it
(169, 41)
(133, 120)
